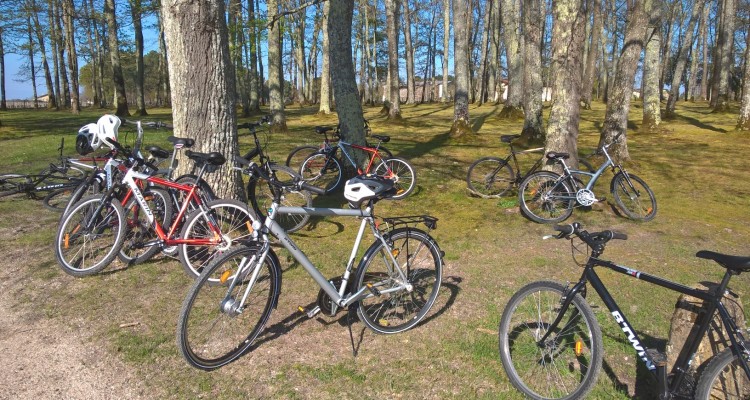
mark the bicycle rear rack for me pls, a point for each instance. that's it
(410, 221)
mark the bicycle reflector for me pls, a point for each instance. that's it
(579, 347)
(224, 276)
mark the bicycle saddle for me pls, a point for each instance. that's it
(509, 138)
(554, 156)
(158, 152)
(323, 129)
(213, 158)
(181, 141)
(735, 263)
(382, 138)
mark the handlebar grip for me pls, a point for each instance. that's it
(619, 235)
(565, 229)
(312, 188)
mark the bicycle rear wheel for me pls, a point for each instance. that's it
(219, 323)
(233, 221)
(567, 364)
(402, 174)
(545, 200)
(723, 378)
(90, 236)
(322, 171)
(140, 237)
(11, 184)
(634, 197)
(395, 310)
(261, 197)
(490, 177)
(298, 155)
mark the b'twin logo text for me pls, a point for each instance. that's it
(633, 341)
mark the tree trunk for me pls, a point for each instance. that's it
(461, 125)
(31, 60)
(621, 89)
(666, 54)
(275, 76)
(446, 47)
(704, 47)
(121, 101)
(236, 28)
(96, 84)
(569, 21)
(255, 82)
(140, 101)
(68, 11)
(692, 80)
(409, 50)
(511, 12)
(743, 123)
(682, 55)
(202, 81)
(325, 72)
(394, 90)
(650, 88)
(100, 56)
(63, 88)
(348, 106)
(486, 32)
(533, 133)
(34, 13)
(726, 45)
(298, 22)
(163, 70)
(587, 88)
(493, 81)
(3, 103)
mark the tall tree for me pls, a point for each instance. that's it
(568, 27)
(298, 45)
(743, 123)
(651, 89)
(621, 89)
(682, 57)
(136, 11)
(484, 49)
(704, 56)
(461, 67)
(533, 16)
(446, 47)
(275, 75)
(202, 81)
(3, 103)
(70, 41)
(325, 72)
(409, 52)
(121, 100)
(394, 90)
(31, 47)
(63, 90)
(511, 14)
(255, 85)
(720, 102)
(595, 9)
(34, 12)
(493, 72)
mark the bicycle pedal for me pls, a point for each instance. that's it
(659, 358)
(373, 290)
(310, 313)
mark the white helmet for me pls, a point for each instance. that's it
(363, 188)
(87, 139)
(108, 125)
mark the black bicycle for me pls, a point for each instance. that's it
(551, 344)
(492, 177)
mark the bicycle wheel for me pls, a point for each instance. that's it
(723, 378)
(228, 218)
(57, 200)
(634, 198)
(88, 240)
(89, 186)
(219, 323)
(395, 308)
(11, 184)
(140, 237)
(490, 177)
(545, 200)
(322, 171)
(298, 155)
(567, 364)
(205, 188)
(401, 172)
(261, 198)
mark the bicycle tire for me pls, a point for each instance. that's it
(57, 200)
(396, 312)
(322, 171)
(99, 245)
(204, 187)
(723, 378)
(490, 177)
(88, 187)
(11, 184)
(562, 358)
(628, 197)
(261, 198)
(544, 201)
(402, 173)
(298, 155)
(210, 306)
(139, 230)
(234, 221)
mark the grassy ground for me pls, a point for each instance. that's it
(697, 167)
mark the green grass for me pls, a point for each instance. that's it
(697, 166)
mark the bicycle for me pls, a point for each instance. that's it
(260, 191)
(549, 330)
(324, 167)
(93, 232)
(548, 197)
(493, 177)
(393, 287)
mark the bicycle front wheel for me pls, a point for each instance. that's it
(633, 197)
(298, 155)
(140, 238)
(401, 172)
(544, 198)
(219, 323)
(490, 177)
(224, 221)
(261, 197)
(405, 289)
(567, 364)
(322, 171)
(723, 378)
(90, 236)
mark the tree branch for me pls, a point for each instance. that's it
(296, 10)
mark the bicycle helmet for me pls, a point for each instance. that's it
(108, 126)
(368, 187)
(87, 139)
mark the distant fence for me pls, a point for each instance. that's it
(25, 104)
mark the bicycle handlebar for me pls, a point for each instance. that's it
(150, 124)
(592, 239)
(266, 119)
(296, 185)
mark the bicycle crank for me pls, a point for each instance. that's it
(585, 197)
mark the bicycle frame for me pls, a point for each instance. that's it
(372, 150)
(682, 364)
(519, 176)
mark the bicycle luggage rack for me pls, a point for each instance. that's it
(410, 221)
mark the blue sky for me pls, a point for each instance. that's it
(13, 88)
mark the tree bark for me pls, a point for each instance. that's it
(682, 55)
(726, 45)
(493, 81)
(202, 81)
(298, 42)
(121, 101)
(483, 61)
(409, 50)
(140, 101)
(34, 13)
(325, 72)
(446, 47)
(100, 55)
(511, 12)
(587, 88)
(651, 89)
(567, 53)
(63, 88)
(255, 83)
(704, 47)
(743, 123)
(533, 130)
(621, 89)
(70, 41)
(31, 60)
(461, 67)
(394, 95)
(275, 76)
